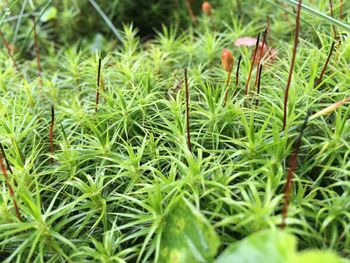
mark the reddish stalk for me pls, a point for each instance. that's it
(37, 51)
(341, 10)
(237, 74)
(252, 65)
(51, 130)
(326, 64)
(268, 43)
(268, 26)
(178, 85)
(190, 10)
(7, 45)
(331, 7)
(296, 41)
(98, 84)
(260, 55)
(3, 154)
(259, 79)
(5, 158)
(188, 113)
(10, 188)
(227, 86)
(291, 171)
(332, 14)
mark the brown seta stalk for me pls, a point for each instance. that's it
(5, 158)
(227, 87)
(190, 10)
(296, 41)
(237, 74)
(260, 57)
(332, 15)
(292, 168)
(7, 45)
(98, 84)
(341, 10)
(268, 26)
(326, 64)
(37, 51)
(188, 113)
(7, 162)
(259, 82)
(252, 65)
(10, 188)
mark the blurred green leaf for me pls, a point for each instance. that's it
(49, 14)
(266, 246)
(187, 236)
(314, 256)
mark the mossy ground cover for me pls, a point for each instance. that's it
(109, 181)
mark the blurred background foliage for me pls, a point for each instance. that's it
(67, 22)
(79, 19)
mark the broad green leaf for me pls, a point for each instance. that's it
(314, 256)
(265, 246)
(49, 14)
(187, 236)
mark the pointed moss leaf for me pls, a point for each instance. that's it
(314, 256)
(346, 47)
(187, 236)
(265, 246)
(49, 14)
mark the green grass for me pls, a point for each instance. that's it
(117, 174)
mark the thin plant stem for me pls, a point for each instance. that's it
(227, 86)
(107, 20)
(268, 43)
(98, 84)
(7, 45)
(268, 26)
(10, 188)
(332, 15)
(291, 171)
(252, 65)
(260, 56)
(37, 51)
(259, 82)
(326, 64)
(330, 108)
(188, 113)
(237, 74)
(51, 130)
(5, 158)
(296, 41)
(341, 10)
(315, 13)
(190, 10)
